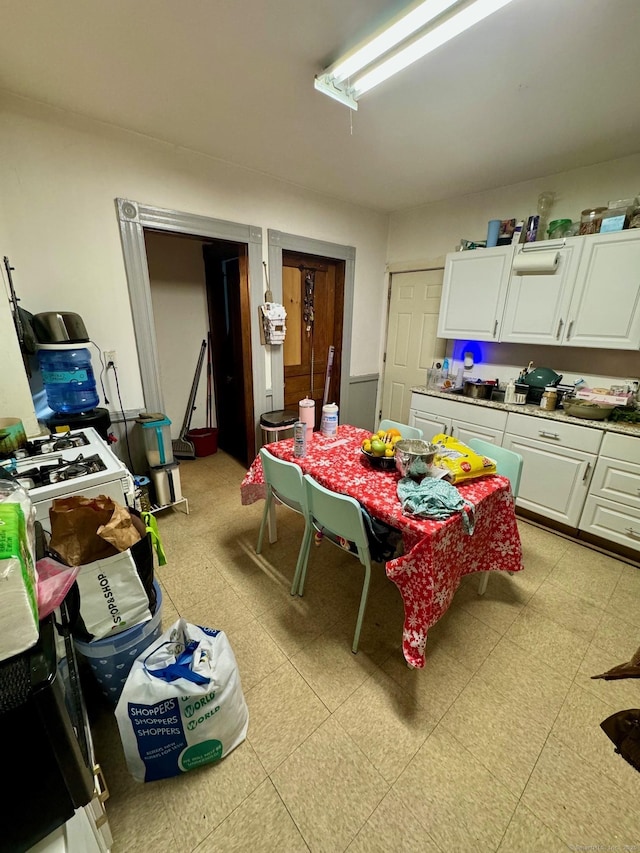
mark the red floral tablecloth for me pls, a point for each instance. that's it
(437, 553)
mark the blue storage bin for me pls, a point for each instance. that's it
(111, 659)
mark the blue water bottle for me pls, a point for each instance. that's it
(68, 378)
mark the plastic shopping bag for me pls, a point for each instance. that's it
(182, 705)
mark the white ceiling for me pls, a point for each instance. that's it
(542, 86)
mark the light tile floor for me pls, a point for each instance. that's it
(495, 745)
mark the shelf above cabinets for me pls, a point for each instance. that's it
(591, 299)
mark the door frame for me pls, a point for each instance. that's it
(278, 242)
(133, 218)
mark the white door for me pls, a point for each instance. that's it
(412, 342)
(538, 303)
(605, 308)
(555, 480)
(473, 293)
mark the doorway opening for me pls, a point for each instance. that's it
(230, 282)
(200, 292)
(313, 296)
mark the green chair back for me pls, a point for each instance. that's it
(508, 462)
(406, 430)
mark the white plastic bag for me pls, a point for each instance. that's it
(112, 597)
(182, 705)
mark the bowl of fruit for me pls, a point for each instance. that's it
(380, 449)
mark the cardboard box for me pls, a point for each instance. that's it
(603, 397)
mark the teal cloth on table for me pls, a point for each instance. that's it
(435, 499)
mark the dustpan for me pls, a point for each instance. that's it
(182, 447)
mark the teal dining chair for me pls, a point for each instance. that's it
(406, 430)
(284, 484)
(336, 516)
(508, 464)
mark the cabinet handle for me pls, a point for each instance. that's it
(548, 434)
(495, 328)
(560, 325)
(631, 532)
(101, 786)
(569, 330)
(586, 471)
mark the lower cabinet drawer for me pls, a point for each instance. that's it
(611, 520)
(555, 432)
(617, 480)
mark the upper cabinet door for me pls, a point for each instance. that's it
(474, 292)
(605, 308)
(538, 302)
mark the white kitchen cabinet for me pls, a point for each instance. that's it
(612, 509)
(559, 460)
(537, 305)
(463, 421)
(605, 305)
(473, 293)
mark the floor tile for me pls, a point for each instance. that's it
(386, 723)
(617, 636)
(566, 609)
(260, 823)
(392, 829)
(589, 574)
(625, 600)
(436, 686)
(295, 623)
(255, 652)
(519, 673)
(198, 801)
(617, 693)
(578, 727)
(455, 798)
(464, 637)
(140, 821)
(500, 604)
(222, 610)
(279, 727)
(503, 732)
(527, 833)
(557, 647)
(330, 668)
(580, 804)
(329, 787)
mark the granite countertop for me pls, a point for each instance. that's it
(535, 411)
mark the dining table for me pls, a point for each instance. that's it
(437, 553)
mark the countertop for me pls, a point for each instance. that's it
(535, 411)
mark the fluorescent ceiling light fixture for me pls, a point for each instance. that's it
(342, 79)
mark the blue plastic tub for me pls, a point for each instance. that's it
(111, 659)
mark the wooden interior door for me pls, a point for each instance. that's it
(306, 349)
(227, 279)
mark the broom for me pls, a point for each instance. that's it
(182, 447)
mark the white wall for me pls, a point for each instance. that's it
(428, 233)
(179, 297)
(60, 175)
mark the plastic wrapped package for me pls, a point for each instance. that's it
(19, 626)
(460, 462)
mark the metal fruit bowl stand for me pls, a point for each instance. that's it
(383, 463)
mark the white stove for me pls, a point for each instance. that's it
(78, 462)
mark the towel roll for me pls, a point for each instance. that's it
(536, 262)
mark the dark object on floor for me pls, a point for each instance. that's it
(623, 670)
(623, 728)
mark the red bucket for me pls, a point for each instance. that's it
(205, 440)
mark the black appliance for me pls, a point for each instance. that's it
(98, 418)
(47, 772)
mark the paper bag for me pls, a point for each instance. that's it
(112, 598)
(87, 529)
